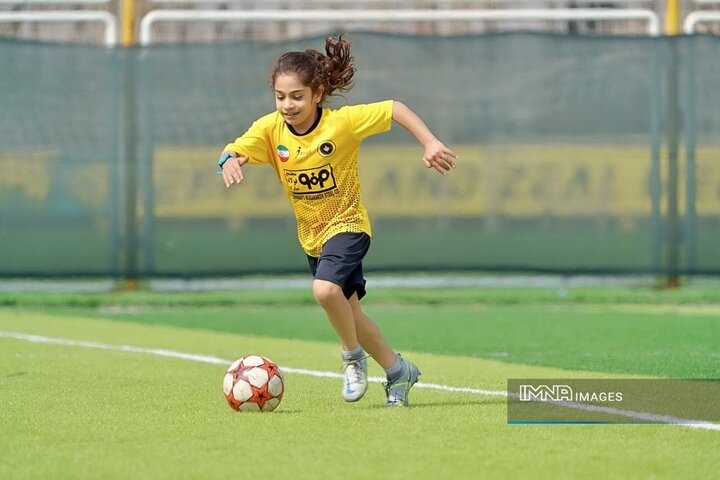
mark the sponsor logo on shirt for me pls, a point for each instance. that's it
(310, 181)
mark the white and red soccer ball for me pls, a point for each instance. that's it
(253, 383)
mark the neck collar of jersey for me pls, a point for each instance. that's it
(312, 127)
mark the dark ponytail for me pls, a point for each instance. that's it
(333, 71)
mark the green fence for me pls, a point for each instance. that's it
(577, 154)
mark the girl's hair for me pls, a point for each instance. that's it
(333, 71)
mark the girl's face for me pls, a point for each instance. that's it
(295, 101)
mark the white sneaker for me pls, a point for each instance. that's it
(355, 379)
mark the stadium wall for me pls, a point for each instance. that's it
(107, 157)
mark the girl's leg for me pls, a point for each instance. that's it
(340, 264)
(331, 298)
(370, 336)
(351, 324)
(401, 374)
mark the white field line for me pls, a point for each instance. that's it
(316, 373)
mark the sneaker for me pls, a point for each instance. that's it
(397, 392)
(355, 379)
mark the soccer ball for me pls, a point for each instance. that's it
(253, 383)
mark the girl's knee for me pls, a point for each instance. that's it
(325, 291)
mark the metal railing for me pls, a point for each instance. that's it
(344, 16)
(154, 17)
(696, 18)
(107, 19)
(404, 4)
(27, 3)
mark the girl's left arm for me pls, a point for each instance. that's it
(437, 155)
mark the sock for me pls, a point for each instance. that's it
(356, 353)
(397, 370)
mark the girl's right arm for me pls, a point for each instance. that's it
(253, 144)
(231, 171)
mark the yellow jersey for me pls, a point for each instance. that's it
(319, 169)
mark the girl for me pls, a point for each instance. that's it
(314, 151)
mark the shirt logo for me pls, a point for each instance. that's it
(326, 148)
(283, 153)
(310, 180)
(302, 153)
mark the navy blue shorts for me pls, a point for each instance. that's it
(341, 262)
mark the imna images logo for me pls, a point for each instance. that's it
(545, 393)
(564, 393)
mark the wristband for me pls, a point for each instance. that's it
(224, 158)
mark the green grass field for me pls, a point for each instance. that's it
(70, 411)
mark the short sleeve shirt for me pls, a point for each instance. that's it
(319, 169)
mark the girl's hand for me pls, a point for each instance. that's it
(439, 157)
(231, 171)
